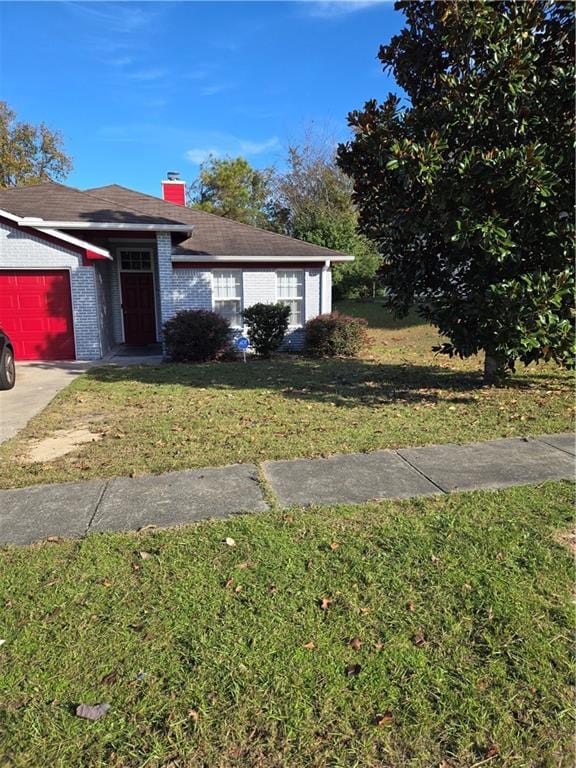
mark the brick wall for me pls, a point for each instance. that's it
(192, 289)
(20, 250)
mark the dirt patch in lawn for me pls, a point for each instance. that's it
(59, 443)
(568, 539)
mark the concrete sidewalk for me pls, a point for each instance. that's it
(128, 504)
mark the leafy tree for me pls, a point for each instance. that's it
(233, 189)
(469, 189)
(29, 154)
(313, 202)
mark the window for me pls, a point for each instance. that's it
(136, 261)
(291, 292)
(228, 295)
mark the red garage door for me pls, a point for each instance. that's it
(36, 312)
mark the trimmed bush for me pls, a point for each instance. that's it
(196, 335)
(267, 326)
(335, 335)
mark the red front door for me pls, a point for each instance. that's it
(138, 308)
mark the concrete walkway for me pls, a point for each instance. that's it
(128, 504)
(36, 385)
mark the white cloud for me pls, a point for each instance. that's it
(147, 75)
(231, 146)
(329, 9)
(199, 156)
(255, 148)
(212, 90)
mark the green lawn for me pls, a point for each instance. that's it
(460, 609)
(169, 417)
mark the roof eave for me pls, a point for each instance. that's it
(104, 225)
(92, 251)
(210, 258)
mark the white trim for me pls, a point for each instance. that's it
(301, 299)
(173, 181)
(58, 235)
(152, 271)
(325, 289)
(110, 225)
(177, 258)
(214, 299)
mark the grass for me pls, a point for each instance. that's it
(222, 656)
(170, 417)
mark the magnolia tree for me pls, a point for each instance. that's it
(467, 185)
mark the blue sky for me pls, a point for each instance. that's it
(141, 88)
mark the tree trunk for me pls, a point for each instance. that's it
(495, 368)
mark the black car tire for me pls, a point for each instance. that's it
(7, 370)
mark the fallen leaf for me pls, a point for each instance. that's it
(54, 539)
(355, 643)
(92, 711)
(145, 555)
(110, 678)
(325, 602)
(353, 669)
(378, 645)
(228, 582)
(135, 566)
(193, 714)
(243, 566)
(334, 545)
(238, 588)
(419, 639)
(272, 589)
(309, 646)
(384, 718)
(229, 541)
(491, 751)
(435, 559)
(410, 605)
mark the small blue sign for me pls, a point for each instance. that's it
(242, 342)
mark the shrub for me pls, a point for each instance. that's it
(267, 326)
(196, 335)
(335, 335)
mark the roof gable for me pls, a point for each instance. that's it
(217, 236)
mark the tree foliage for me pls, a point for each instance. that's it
(313, 202)
(230, 187)
(468, 190)
(29, 154)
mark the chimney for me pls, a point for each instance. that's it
(174, 189)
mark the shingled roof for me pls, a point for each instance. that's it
(215, 235)
(212, 236)
(56, 202)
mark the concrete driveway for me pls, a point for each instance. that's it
(36, 384)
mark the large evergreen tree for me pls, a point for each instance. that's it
(468, 186)
(232, 188)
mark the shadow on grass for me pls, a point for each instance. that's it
(347, 383)
(378, 316)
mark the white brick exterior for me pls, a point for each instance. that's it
(96, 289)
(192, 289)
(20, 250)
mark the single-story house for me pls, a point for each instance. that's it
(82, 272)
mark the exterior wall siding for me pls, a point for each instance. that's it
(21, 250)
(192, 289)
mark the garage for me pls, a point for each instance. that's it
(36, 312)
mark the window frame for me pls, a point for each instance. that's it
(239, 298)
(301, 298)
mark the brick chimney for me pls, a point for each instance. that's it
(174, 189)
